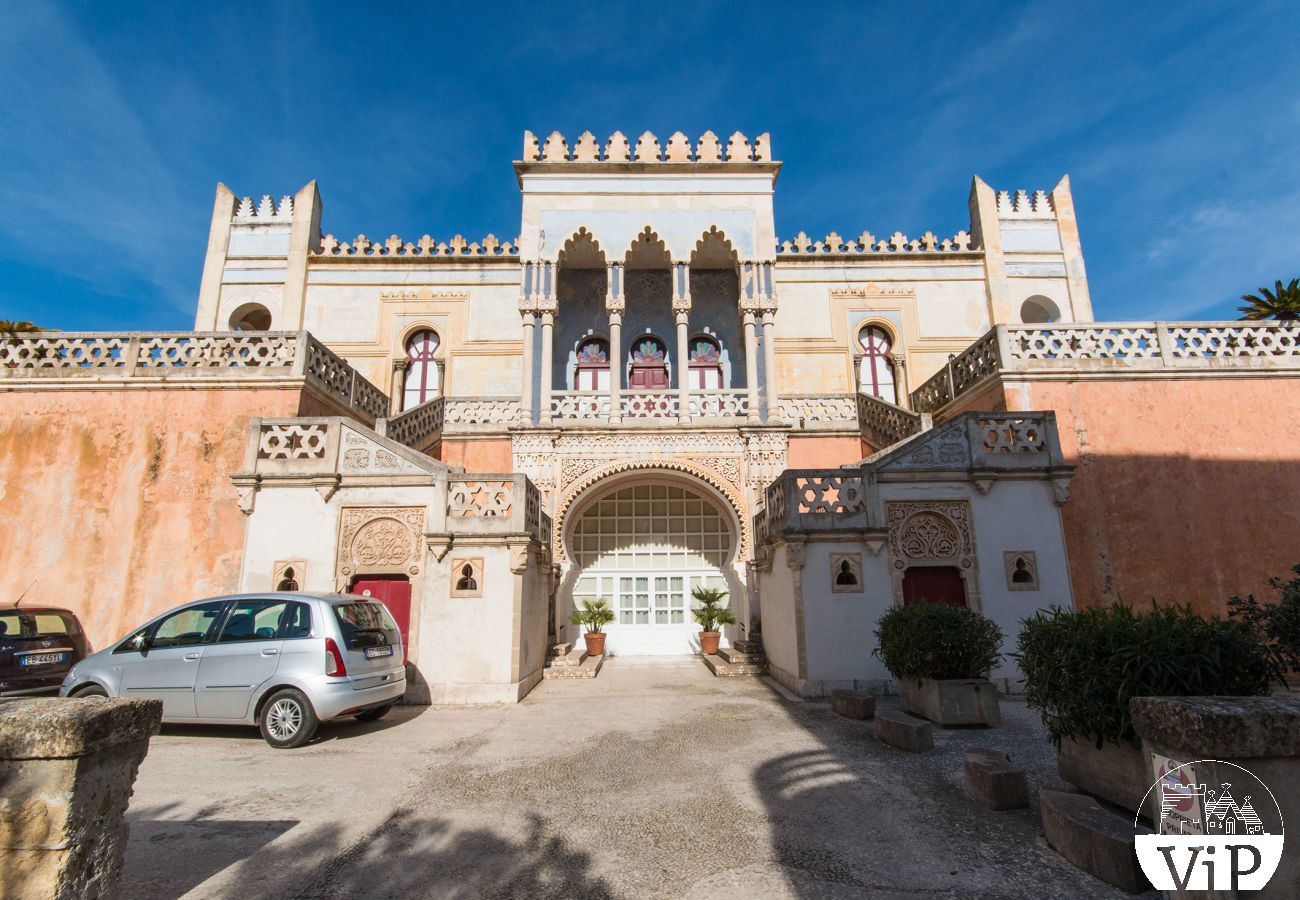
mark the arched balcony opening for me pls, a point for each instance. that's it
(591, 369)
(706, 364)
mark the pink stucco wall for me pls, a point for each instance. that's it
(118, 504)
(1187, 490)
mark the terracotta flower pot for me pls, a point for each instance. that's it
(595, 643)
(709, 642)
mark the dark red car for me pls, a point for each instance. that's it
(38, 645)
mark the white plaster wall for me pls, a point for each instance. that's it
(1036, 235)
(468, 641)
(1055, 289)
(290, 523)
(342, 313)
(776, 610)
(839, 628)
(952, 309)
(258, 241)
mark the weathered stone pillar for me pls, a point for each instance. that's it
(751, 366)
(397, 386)
(67, 767)
(614, 306)
(548, 338)
(769, 362)
(682, 309)
(526, 389)
(899, 361)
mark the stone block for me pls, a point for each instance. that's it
(993, 781)
(68, 767)
(1094, 839)
(898, 729)
(955, 701)
(853, 704)
(1117, 773)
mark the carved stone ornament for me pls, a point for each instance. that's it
(379, 539)
(794, 554)
(929, 530)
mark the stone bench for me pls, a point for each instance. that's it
(852, 704)
(67, 767)
(1094, 839)
(993, 781)
(898, 729)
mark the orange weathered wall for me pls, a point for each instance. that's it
(478, 455)
(822, 451)
(118, 504)
(1187, 490)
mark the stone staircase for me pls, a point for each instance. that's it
(745, 658)
(567, 661)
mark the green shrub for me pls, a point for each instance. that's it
(1082, 667)
(1275, 625)
(594, 614)
(934, 640)
(710, 614)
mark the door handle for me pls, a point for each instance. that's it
(270, 651)
(191, 656)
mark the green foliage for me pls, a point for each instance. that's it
(1283, 302)
(935, 640)
(711, 614)
(1082, 667)
(11, 328)
(1275, 625)
(595, 614)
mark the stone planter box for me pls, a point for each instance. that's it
(956, 701)
(1117, 773)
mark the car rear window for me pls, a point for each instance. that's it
(366, 624)
(20, 624)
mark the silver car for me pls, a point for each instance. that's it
(283, 662)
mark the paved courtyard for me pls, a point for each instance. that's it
(654, 780)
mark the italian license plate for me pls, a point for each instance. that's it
(43, 659)
(375, 652)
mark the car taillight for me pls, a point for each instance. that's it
(334, 664)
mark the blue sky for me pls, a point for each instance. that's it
(1178, 123)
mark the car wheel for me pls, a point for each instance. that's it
(372, 715)
(91, 692)
(288, 720)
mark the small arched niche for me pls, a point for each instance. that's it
(1039, 310)
(251, 317)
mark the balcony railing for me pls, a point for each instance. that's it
(198, 355)
(1120, 346)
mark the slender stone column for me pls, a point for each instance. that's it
(751, 366)
(614, 306)
(397, 386)
(615, 367)
(769, 361)
(899, 361)
(526, 399)
(548, 327)
(683, 369)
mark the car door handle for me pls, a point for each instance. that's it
(191, 656)
(270, 651)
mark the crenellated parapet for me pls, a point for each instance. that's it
(1021, 205)
(868, 245)
(264, 212)
(647, 149)
(425, 247)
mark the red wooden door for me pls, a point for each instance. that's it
(934, 584)
(648, 377)
(394, 591)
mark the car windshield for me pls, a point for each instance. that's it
(366, 624)
(23, 624)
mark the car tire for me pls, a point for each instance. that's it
(288, 720)
(372, 715)
(91, 692)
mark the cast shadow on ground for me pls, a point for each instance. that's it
(334, 730)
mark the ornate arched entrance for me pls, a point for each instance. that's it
(643, 540)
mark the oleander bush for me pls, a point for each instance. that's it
(1082, 667)
(1275, 625)
(935, 640)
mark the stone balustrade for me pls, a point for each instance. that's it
(819, 412)
(426, 248)
(1113, 347)
(867, 244)
(496, 503)
(647, 149)
(419, 427)
(883, 424)
(77, 357)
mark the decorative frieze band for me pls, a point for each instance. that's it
(709, 149)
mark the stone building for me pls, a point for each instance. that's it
(647, 390)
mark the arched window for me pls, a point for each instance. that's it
(592, 370)
(421, 370)
(648, 366)
(1039, 310)
(877, 375)
(251, 317)
(706, 364)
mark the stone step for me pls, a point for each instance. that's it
(897, 729)
(589, 668)
(1094, 839)
(749, 646)
(557, 650)
(732, 655)
(724, 669)
(852, 704)
(574, 658)
(992, 780)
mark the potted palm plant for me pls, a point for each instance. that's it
(710, 615)
(593, 615)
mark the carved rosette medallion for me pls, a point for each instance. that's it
(930, 531)
(380, 539)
